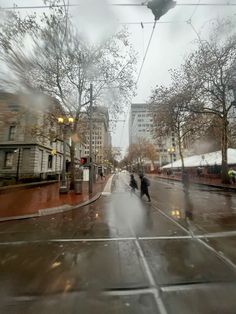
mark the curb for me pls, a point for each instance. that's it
(198, 183)
(53, 210)
(10, 188)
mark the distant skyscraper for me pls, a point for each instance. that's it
(140, 123)
(101, 137)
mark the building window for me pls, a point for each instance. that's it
(8, 161)
(12, 133)
(50, 159)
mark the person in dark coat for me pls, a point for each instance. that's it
(102, 176)
(144, 187)
(133, 183)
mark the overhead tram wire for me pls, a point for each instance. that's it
(146, 52)
(115, 4)
(189, 21)
(151, 23)
(195, 9)
(139, 74)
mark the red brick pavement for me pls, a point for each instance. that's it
(25, 201)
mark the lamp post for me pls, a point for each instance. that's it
(171, 151)
(90, 140)
(66, 123)
(95, 155)
(18, 163)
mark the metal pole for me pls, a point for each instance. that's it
(63, 174)
(90, 141)
(18, 165)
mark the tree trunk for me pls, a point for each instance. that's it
(181, 153)
(224, 148)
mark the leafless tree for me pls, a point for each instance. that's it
(169, 107)
(141, 150)
(61, 64)
(210, 72)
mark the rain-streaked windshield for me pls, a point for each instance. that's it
(117, 156)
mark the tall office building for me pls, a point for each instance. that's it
(101, 137)
(141, 125)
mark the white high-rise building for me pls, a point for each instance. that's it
(101, 137)
(141, 125)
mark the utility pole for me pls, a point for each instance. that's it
(90, 141)
(65, 123)
(63, 174)
(18, 165)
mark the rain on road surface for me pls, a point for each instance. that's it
(124, 255)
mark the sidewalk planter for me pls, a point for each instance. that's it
(78, 186)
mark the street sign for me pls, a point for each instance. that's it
(86, 174)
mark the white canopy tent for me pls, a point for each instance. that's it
(203, 160)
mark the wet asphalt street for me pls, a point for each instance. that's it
(122, 255)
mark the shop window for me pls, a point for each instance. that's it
(12, 133)
(8, 161)
(50, 160)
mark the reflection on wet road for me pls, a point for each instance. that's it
(124, 255)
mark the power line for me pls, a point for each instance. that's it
(189, 22)
(207, 4)
(115, 4)
(146, 52)
(151, 23)
(194, 10)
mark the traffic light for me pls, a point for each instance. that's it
(83, 160)
(160, 7)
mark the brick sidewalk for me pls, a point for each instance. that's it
(205, 181)
(22, 201)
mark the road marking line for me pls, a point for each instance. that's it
(69, 240)
(170, 218)
(129, 292)
(165, 237)
(107, 189)
(94, 240)
(221, 234)
(114, 292)
(199, 239)
(156, 294)
(221, 256)
(205, 236)
(190, 286)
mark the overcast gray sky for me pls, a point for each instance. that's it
(170, 43)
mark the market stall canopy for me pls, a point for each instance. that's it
(203, 160)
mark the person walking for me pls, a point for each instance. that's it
(144, 187)
(133, 183)
(102, 176)
(232, 175)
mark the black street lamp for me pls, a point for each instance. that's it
(66, 123)
(18, 163)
